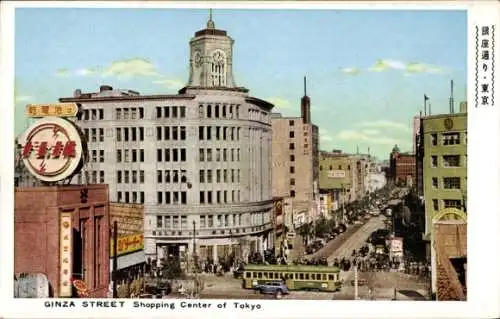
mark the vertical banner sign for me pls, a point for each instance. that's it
(65, 255)
(485, 67)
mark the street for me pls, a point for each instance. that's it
(354, 238)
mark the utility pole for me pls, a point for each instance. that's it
(195, 261)
(115, 259)
(356, 282)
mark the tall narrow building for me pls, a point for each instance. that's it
(295, 160)
(199, 161)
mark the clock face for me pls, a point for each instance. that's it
(218, 57)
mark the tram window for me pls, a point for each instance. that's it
(259, 275)
(301, 276)
(330, 277)
(276, 275)
(248, 275)
(286, 276)
(265, 275)
(307, 276)
(254, 274)
(318, 276)
(324, 276)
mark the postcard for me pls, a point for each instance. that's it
(243, 159)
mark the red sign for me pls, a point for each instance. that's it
(52, 149)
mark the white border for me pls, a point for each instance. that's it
(483, 189)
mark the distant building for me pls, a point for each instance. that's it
(295, 147)
(444, 161)
(402, 167)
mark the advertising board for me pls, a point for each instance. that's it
(52, 149)
(65, 255)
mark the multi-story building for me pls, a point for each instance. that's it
(403, 167)
(295, 161)
(444, 161)
(199, 161)
(337, 178)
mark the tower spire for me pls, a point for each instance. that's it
(210, 22)
(305, 86)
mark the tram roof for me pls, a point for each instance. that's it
(291, 268)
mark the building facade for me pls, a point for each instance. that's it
(403, 168)
(444, 162)
(199, 161)
(39, 242)
(295, 147)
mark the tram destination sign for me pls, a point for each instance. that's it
(52, 149)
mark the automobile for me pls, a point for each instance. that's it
(358, 222)
(238, 273)
(273, 287)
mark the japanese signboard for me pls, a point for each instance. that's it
(484, 65)
(127, 244)
(336, 174)
(52, 149)
(65, 255)
(59, 110)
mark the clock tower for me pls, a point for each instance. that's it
(211, 58)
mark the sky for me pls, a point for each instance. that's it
(367, 71)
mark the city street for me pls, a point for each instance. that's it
(354, 238)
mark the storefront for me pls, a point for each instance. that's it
(131, 259)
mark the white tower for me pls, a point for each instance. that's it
(211, 58)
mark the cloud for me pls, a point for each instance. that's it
(23, 98)
(324, 135)
(131, 68)
(62, 72)
(359, 136)
(383, 65)
(350, 71)
(86, 71)
(279, 102)
(170, 83)
(370, 132)
(385, 124)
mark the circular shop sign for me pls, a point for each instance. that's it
(52, 149)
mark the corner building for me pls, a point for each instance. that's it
(198, 160)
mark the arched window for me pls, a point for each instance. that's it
(218, 69)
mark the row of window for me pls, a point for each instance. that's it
(129, 113)
(171, 155)
(448, 138)
(90, 177)
(93, 114)
(174, 133)
(171, 176)
(331, 167)
(292, 147)
(294, 276)
(219, 111)
(206, 155)
(218, 133)
(447, 203)
(130, 197)
(130, 156)
(449, 161)
(448, 182)
(124, 177)
(170, 112)
(93, 135)
(207, 221)
(291, 134)
(219, 197)
(171, 198)
(256, 115)
(127, 134)
(95, 159)
(171, 222)
(221, 176)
